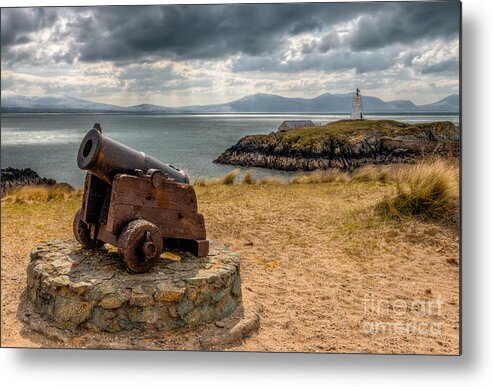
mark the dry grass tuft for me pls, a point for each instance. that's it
(40, 194)
(428, 190)
(372, 173)
(329, 176)
(404, 176)
(229, 178)
(232, 178)
(202, 182)
(249, 178)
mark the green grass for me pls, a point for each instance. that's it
(340, 130)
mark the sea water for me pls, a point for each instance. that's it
(48, 143)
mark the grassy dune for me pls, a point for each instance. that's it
(313, 248)
(429, 189)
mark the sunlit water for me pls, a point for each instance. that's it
(48, 143)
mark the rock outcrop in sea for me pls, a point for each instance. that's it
(15, 178)
(345, 145)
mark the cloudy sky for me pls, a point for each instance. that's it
(203, 54)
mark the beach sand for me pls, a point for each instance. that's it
(331, 275)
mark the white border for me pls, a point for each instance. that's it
(122, 368)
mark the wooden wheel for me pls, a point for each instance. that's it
(140, 244)
(83, 234)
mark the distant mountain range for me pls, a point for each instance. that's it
(257, 103)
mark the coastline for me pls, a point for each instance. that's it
(14, 178)
(345, 145)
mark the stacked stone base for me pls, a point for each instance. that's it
(78, 289)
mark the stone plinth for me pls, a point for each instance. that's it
(79, 289)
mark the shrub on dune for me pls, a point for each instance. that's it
(426, 190)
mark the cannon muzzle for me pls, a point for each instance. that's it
(105, 158)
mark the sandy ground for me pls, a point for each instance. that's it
(331, 275)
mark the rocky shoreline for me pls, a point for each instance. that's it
(345, 145)
(15, 178)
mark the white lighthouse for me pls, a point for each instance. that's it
(357, 110)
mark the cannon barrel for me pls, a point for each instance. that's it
(105, 158)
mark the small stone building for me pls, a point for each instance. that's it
(288, 125)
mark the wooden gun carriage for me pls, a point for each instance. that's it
(136, 203)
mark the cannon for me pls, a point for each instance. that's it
(135, 203)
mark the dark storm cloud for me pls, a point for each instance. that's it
(336, 61)
(233, 48)
(216, 31)
(329, 42)
(123, 34)
(450, 65)
(409, 56)
(406, 23)
(177, 32)
(18, 23)
(200, 32)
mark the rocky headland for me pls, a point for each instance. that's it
(14, 178)
(345, 144)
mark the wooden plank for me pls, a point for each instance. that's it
(173, 224)
(106, 207)
(95, 191)
(85, 198)
(107, 237)
(198, 247)
(139, 191)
